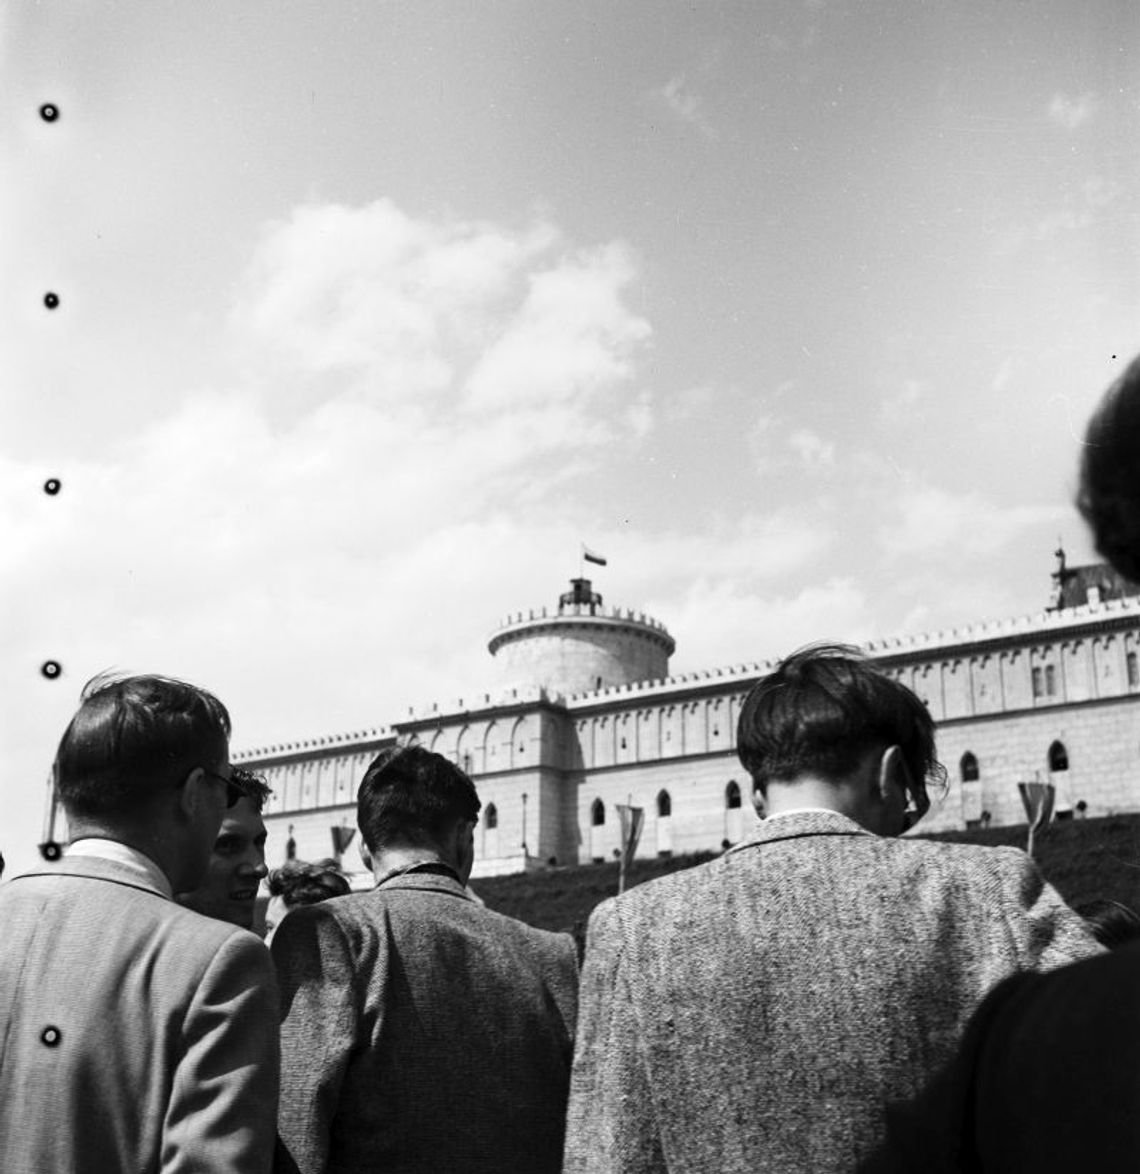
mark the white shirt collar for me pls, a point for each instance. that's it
(800, 811)
(124, 854)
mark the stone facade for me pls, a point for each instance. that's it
(1053, 697)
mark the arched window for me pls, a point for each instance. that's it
(969, 768)
(1058, 757)
(664, 805)
(490, 816)
(598, 813)
(732, 795)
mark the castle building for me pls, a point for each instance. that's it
(587, 716)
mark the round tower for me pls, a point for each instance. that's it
(582, 646)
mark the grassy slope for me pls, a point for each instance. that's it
(1084, 859)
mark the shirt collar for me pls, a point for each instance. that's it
(800, 811)
(123, 854)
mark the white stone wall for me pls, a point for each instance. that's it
(1003, 693)
(578, 656)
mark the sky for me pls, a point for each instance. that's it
(372, 313)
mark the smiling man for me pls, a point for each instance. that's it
(237, 862)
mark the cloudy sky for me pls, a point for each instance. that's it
(371, 313)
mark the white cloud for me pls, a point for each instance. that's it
(572, 336)
(1072, 112)
(936, 524)
(812, 450)
(719, 623)
(677, 97)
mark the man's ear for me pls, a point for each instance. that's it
(192, 792)
(893, 772)
(759, 801)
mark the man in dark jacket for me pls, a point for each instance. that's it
(421, 1031)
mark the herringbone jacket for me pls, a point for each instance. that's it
(760, 1012)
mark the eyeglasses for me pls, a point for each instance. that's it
(234, 789)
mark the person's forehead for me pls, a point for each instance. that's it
(244, 820)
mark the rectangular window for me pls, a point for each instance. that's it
(1050, 681)
(1133, 670)
(1038, 684)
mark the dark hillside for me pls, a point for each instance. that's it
(1085, 859)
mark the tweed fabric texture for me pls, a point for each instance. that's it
(135, 1035)
(761, 1012)
(422, 1032)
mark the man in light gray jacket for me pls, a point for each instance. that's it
(764, 1011)
(135, 1035)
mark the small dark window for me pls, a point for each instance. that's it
(1058, 757)
(1050, 681)
(732, 795)
(969, 767)
(1038, 684)
(598, 813)
(664, 805)
(491, 817)
(1133, 666)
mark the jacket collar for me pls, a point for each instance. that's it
(418, 878)
(800, 824)
(98, 868)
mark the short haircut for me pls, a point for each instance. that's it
(822, 710)
(130, 737)
(410, 795)
(1109, 493)
(301, 883)
(253, 787)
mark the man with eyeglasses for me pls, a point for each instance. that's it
(134, 1033)
(766, 1010)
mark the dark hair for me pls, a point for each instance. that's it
(1109, 493)
(132, 735)
(410, 795)
(300, 883)
(1112, 922)
(825, 707)
(253, 786)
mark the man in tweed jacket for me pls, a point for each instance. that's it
(421, 1031)
(762, 1012)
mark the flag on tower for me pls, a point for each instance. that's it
(592, 557)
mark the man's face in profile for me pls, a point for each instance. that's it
(237, 863)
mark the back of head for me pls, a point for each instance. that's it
(1109, 494)
(253, 787)
(131, 737)
(298, 882)
(822, 710)
(411, 796)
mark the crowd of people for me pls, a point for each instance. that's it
(827, 995)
